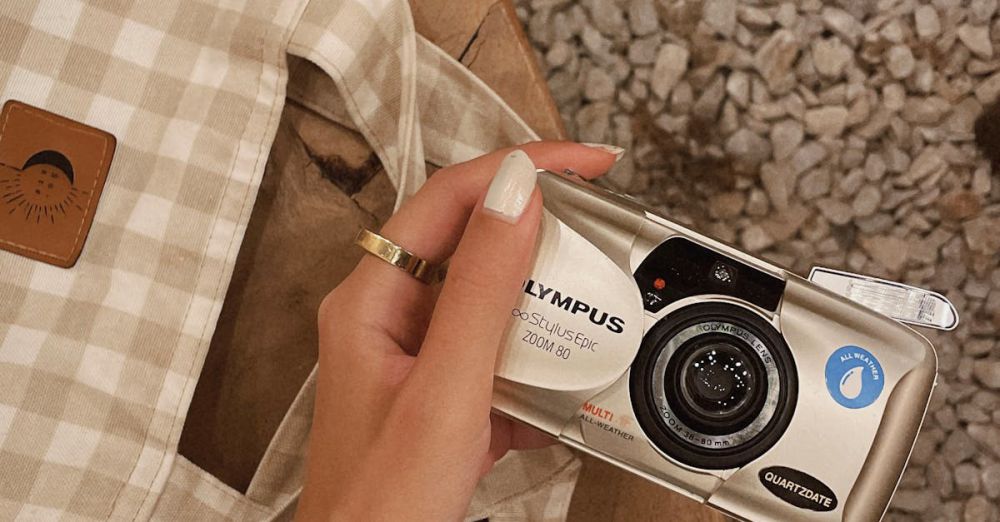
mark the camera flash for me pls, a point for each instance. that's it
(904, 303)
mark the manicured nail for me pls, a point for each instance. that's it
(512, 186)
(611, 149)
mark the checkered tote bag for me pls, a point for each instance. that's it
(133, 138)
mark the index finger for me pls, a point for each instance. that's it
(454, 369)
(431, 222)
(430, 225)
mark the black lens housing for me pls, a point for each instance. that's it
(692, 403)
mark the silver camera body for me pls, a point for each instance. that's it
(707, 370)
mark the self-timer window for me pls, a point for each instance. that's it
(723, 273)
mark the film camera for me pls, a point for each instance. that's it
(712, 372)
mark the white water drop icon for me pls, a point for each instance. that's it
(850, 383)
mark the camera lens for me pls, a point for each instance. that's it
(713, 385)
(717, 381)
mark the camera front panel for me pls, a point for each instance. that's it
(849, 433)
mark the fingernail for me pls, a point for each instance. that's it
(611, 149)
(512, 186)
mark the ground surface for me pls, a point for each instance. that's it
(839, 134)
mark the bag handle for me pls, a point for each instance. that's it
(368, 48)
(384, 74)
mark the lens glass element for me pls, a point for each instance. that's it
(717, 380)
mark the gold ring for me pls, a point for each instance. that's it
(395, 255)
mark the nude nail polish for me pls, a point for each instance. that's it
(511, 188)
(611, 149)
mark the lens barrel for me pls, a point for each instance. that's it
(713, 385)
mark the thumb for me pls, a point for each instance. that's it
(483, 283)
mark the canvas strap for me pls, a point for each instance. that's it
(412, 104)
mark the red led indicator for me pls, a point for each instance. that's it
(659, 283)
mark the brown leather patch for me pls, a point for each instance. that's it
(52, 171)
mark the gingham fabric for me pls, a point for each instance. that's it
(98, 362)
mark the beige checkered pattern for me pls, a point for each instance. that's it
(98, 363)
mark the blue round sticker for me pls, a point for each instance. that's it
(854, 377)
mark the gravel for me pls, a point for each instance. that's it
(671, 64)
(927, 22)
(834, 133)
(900, 62)
(979, 508)
(828, 121)
(990, 478)
(977, 39)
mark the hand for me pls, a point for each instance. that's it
(402, 427)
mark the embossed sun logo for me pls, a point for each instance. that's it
(42, 190)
